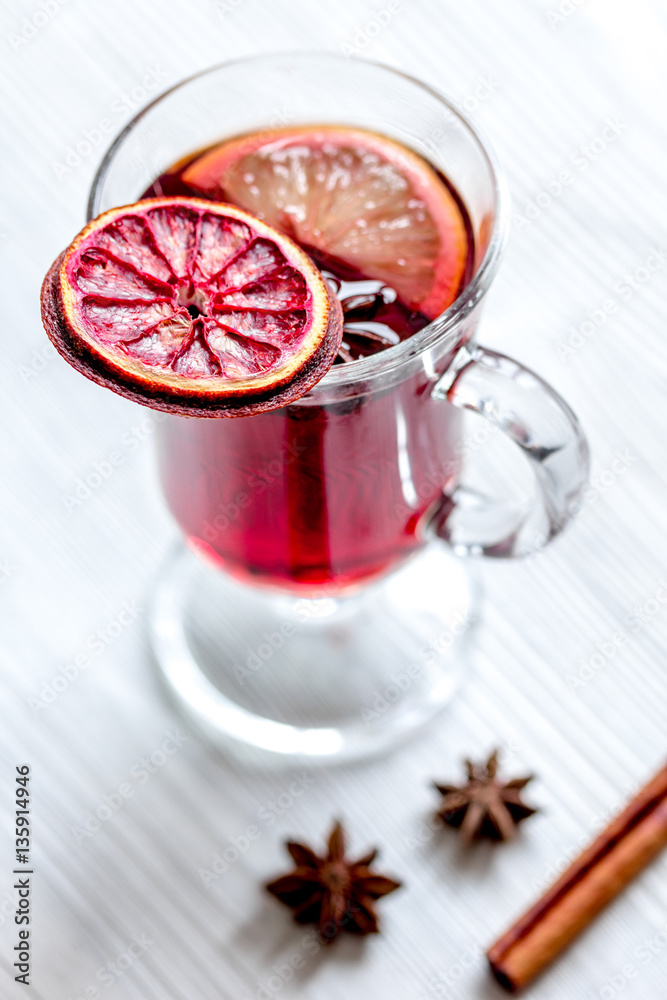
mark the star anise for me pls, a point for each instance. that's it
(485, 806)
(332, 892)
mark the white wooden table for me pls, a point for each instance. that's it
(569, 673)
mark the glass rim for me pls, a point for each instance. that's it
(393, 358)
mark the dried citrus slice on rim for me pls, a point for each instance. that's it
(350, 193)
(192, 307)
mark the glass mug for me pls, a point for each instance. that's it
(322, 607)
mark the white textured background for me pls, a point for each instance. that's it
(569, 671)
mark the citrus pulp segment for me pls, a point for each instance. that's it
(358, 196)
(192, 307)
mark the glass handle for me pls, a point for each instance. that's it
(528, 411)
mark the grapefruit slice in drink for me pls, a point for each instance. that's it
(192, 307)
(352, 195)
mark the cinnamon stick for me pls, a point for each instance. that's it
(596, 877)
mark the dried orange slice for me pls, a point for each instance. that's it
(192, 307)
(352, 194)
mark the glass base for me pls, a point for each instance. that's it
(333, 678)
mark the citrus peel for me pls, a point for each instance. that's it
(192, 307)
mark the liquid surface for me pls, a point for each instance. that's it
(375, 317)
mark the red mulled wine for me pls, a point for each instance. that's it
(336, 488)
